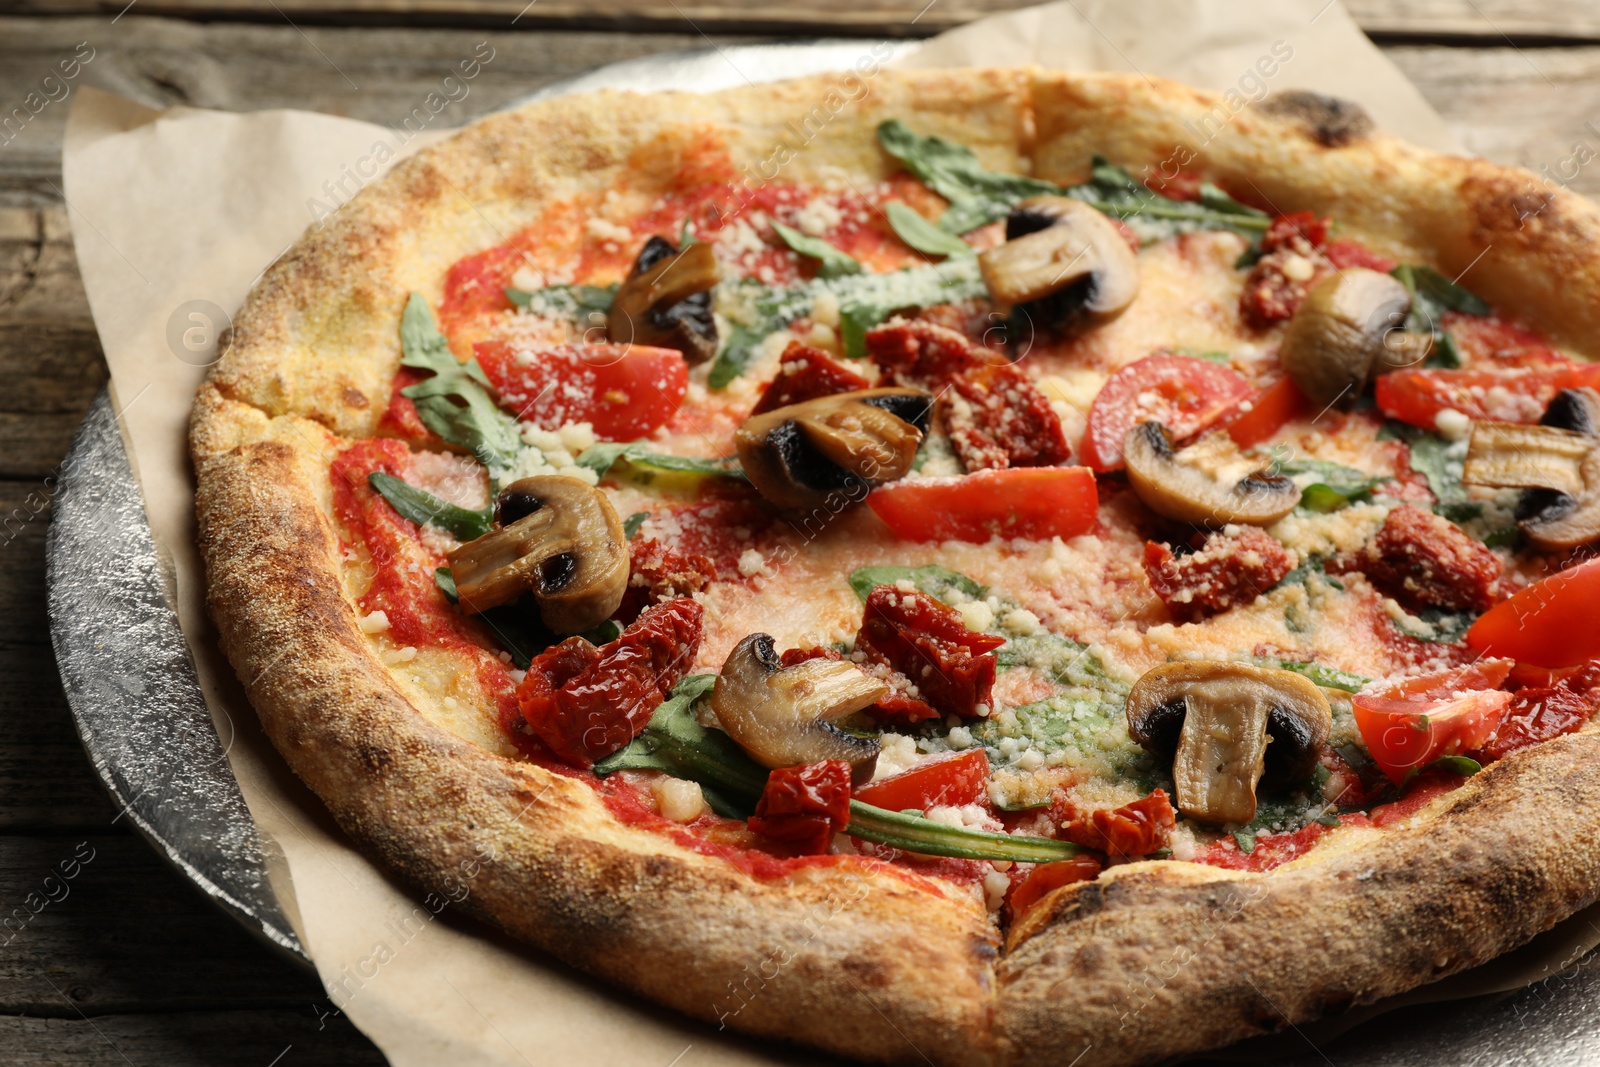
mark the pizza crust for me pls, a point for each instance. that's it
(1198, 956)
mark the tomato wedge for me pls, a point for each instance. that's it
(1549, 624)
(1258, 417)
(950, 780)
(1183, 393)
(1034, 502)
(624, 391)
(1417, 396)
(1408, 725)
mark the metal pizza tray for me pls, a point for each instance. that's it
(137, 703)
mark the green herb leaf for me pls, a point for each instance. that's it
(676, 743)
(1432, 294)
(575, 302)
(913, 833)
(1153, 216)
(455, 402)
(631, 524)
(922, 235)
(603, 634)
(1462, 765)
(976, 195)
(424, 508)
(446, 582)
(832, 263)
(1246, 841)
(1326, 677)
(936, 581)
(601, 457)
(1439, 627)
(1437, 460)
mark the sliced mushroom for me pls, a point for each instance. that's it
(1065, 250)
(798, 455)
(556, 539)
(666, 300)
(783, 716)
(1556, 463)
(1228, 727)
(1209, 483)
(1346, 330)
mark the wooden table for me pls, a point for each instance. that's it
(128, 964)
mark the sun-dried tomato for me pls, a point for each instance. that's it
(805, 806)
(1231, 570)
(1423, 559)
(1279, 281)
(805, 374)
(922, 355)
(1135, 829)
(1028, 890)
(1536, 715)
(794, 656)
(997, 417)
(585, 702)
(657, 574)
(1298, 231)
(944, 668)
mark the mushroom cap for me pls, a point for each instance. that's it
(782, 716)
(1209, 483)
(1346, 330)
(666, 300)
(565, 547)
(1058, 246)
(1227, 726)
(1556, 464)
(800, 455)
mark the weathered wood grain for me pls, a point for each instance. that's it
(84, 915)
(1468, 20)
(281, 1037)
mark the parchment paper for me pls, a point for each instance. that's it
(176, 213)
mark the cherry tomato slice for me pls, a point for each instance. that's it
(1551, 623)
(1417, 396)
(1033, 502)
(1414, 722)
(1183, 393)
(1258, 417)
(952, 780)
(625, 391)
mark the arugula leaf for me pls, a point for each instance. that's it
(832, 263)
(1442, 627)
(455, 402)
(631, 524)
(1465, 766)
(913, 833)
(574, 302)
(1440, 462)
(601, 457)
(1153, 217)
(446, 581)
(1246, 840)
(424, 508)
(922, 235)
(1337, 487)
(976, 195)
(1432, 294)
(936, 581)
(674, 742)
(1326, 677)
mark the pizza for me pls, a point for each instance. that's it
(939, 566)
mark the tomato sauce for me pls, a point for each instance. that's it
(402, 585)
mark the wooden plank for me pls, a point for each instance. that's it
(1489, 20)
(83, 916)
(46, 782)
(278, 1038)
